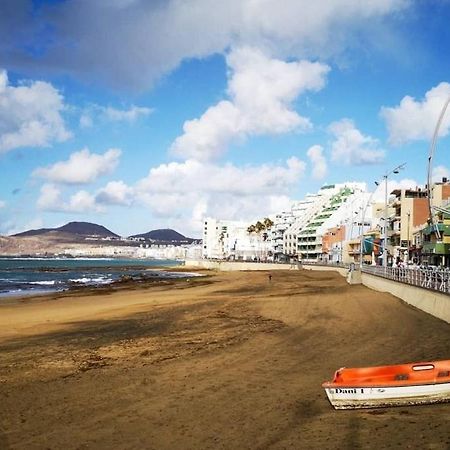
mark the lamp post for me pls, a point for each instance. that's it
(409, 219)
(395, 170)
(430, 169)
(348, 229)
(361, 243)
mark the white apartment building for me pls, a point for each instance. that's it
(281, 223)
(305, 210)
(344, 241)
(332, 206)
(226, 239)
(296, 233)
(284, 221)
(175, 252)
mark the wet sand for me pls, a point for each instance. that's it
(228, 361)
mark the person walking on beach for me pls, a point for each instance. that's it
(270, 277)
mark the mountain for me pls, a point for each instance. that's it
(80, 231)
(79, 228)
(33, 232)
(164, 235)
(86, 229)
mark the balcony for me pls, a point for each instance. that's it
(436, 248)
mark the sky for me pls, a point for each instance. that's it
(138, 114)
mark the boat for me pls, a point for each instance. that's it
(396, 385)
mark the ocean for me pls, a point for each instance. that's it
(29, 276)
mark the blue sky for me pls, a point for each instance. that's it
(139, 115)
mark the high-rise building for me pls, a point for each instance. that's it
(431, 242)
(337, 205)
(410, 210)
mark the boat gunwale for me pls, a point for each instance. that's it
(426, 377)
(331, 385)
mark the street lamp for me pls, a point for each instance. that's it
(395, 170)
(363, 220)
(430, 169)
(408, 240)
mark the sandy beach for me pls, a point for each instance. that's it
(225, 361)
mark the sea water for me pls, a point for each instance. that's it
(26, 276)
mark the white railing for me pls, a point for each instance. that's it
(432, 278)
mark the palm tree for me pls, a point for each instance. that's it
(268, 223)
(221, 239)
(259, 226)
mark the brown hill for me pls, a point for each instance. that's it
(78, 228)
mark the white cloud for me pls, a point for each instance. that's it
(184, 193)
(82, 201)
(263, 89)
(104, 114)
(82, 167)
(86, 120)
(128, 115)
(196, 176)
(188, 210)
(208, 137)
(115, 193)
(351, 147)
(318, 161)
(261, 92)
(392, 184)
(195, 29)
(2, 204)
(50, 199)
(30, 115)
(440, 172)
(415, 120)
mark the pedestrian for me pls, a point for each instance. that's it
(270, 277)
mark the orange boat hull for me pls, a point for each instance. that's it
(404, 384)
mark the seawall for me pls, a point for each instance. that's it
(432, 302)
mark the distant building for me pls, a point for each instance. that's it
(282, 222)
(339, 223)
(302, 211)
(226, 239)
(431, 243)
(334, 206)
(410, 208)
(333, 242)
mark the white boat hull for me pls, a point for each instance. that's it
(382, 396)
